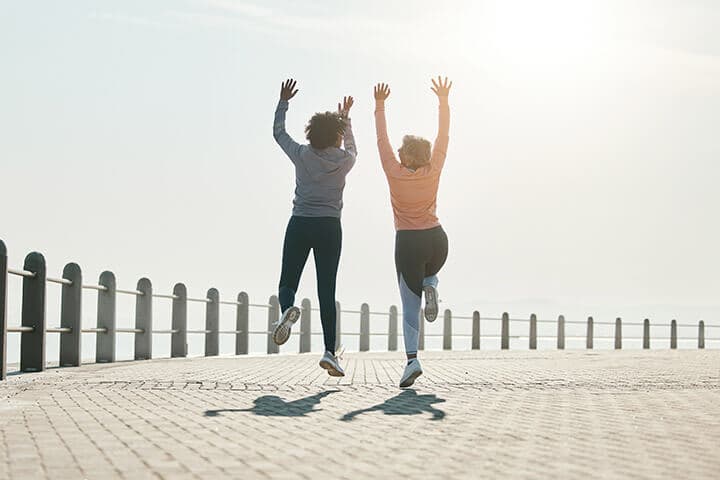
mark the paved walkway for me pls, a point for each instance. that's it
(543, 414)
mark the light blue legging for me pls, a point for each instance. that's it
(411, 312)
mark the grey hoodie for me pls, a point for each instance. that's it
(319, 174)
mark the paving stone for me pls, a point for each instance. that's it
(512, 414)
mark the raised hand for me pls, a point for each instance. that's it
(441, 87)
(381, 91)
(288, 90)
(344, 108)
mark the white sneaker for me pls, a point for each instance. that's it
(330, 363)
(281, 333)
(412, 371)
(431, 303)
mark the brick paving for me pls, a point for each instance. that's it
(541, 414)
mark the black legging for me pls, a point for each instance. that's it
(420, 254)
(324, 236)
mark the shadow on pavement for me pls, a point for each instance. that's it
(274, 406)
(406, 403)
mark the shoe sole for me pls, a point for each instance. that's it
(431, 305)
(411, 379)
(281, 334)
(332, 371)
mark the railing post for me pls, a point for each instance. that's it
(646, 333)
(32, 344)
(673, 334)
(273, 318)
(393, 329)
(3, 310)
(178, 340)
(305, 326)
(143, 320)
(618, 333)
(561, 333)
(242, 324)
(533, 332)
(589, 334)
(70, 317)
(212, 323)
(364, 327)
(701, 334)
(421, 333)
(505, 332)
(338, 324)
(105, 342)
(476, 331)
(447, 330)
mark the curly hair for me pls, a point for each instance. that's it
(415, 151)
(323, 129)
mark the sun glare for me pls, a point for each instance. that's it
(531, 32)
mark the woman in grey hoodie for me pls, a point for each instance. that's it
(320, 170)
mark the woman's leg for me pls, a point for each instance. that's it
(431, 281)
(410, 267)
(296, 249)
(410, 281)
(437, 259)
(326, 250)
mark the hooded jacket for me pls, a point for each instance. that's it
(319, 174)
(413, 193)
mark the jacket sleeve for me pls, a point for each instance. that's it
(437, 159)
(387, 157)
(349, 144)
(289, 146)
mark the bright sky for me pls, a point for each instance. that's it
(582, 176)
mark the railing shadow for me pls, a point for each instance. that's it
(406, 403)
(274, 406)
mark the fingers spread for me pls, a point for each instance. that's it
(288, 88)
(380, 90)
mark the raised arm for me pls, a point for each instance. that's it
(289, 146)
(387, 157)
(348, 137)
(442, 90)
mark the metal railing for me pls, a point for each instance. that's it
(33, 328)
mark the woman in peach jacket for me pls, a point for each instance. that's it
(421, 246)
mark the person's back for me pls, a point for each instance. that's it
(320, 170)
(413, 196)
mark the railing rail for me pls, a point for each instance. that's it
(33, 328)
